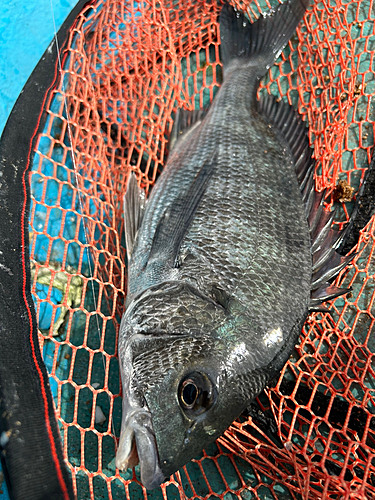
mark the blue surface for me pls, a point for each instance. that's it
(26, 30)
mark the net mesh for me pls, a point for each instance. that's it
(127, 68)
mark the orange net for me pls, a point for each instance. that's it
(128, 67)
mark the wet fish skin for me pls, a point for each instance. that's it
(225, 309)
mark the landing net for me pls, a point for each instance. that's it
(128, 67)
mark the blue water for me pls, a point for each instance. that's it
(26, 30)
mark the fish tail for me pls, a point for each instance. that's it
(261, 42)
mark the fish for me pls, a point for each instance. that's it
(226, 258)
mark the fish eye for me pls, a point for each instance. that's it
(189, 393)
(196, 393)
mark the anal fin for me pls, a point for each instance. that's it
(134, 207)
(186, 120)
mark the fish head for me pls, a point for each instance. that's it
(181, 362)
(188, 403)
(178, 397)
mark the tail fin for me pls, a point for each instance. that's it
(263, 40)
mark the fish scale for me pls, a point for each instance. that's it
(247, 230)
(220, 275)
(250, 198)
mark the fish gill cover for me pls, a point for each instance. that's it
(128, 67)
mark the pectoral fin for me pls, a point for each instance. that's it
(177, 218)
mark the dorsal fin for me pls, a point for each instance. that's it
(177, 218)
(134, 207)
(363, 210)
(282, 116)
(327, 292)
(186, 120)
(327, 263)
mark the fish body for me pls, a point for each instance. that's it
(221, 267)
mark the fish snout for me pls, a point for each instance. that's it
(126, 456)
(138, 445)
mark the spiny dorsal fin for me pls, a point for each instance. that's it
(186, 120)
(363, 209)
(326, 292)
(282, 116)
(330, 269)
(177, 218)
(134, 207)
(321, 230)
(327, 263)
(319, 308)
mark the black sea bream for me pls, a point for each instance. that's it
(226, 258)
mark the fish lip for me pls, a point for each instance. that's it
(138, 441)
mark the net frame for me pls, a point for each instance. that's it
(121, 103)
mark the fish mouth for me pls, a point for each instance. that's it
(138, 445)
